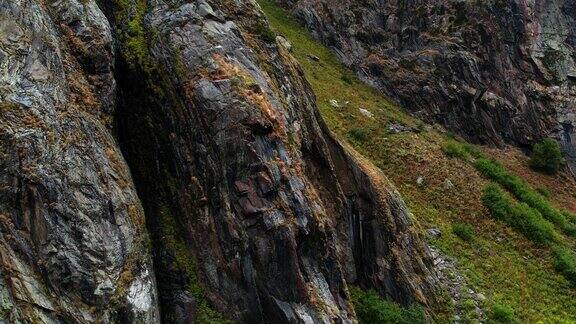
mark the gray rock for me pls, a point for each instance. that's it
(434, 232)
(284, 43)
(511, 81)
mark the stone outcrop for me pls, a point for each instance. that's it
(73, 244)
(255, 213)
(493, 71)
(277, 215)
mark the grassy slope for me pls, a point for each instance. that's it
(499, 262)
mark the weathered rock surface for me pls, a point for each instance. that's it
(254, 210)
(72, 238)
(492, 71)
(229, 153)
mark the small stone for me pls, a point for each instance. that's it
(284, 43)
(420, 181)
(334, 103)
(397, 128)
(480, 297)
(448, 184)
(313, 57)
(366, 113)
(434, 232)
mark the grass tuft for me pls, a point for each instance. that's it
(565, 263)
(371, 308)
(463, 231)
(502, 314)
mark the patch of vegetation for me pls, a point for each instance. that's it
(565, 263)
(371, 308)
(129, 16)
(521, 217)
(463, 231)
(265, 32)
(358, 134)
(544, 191)
(524, 193)
(502, 314)
(547, 156)
(348, 79)
(454, 149)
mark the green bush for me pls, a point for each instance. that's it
(521, 217)
(347, 79)
(370, 308)
(546, 156)
(502, 314)
(359, 134)
(565, 263)
(521, 190)
(265, 32)
(454, 149)
(463, 231)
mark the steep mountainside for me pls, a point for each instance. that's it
(255, 212)
(443, 179)
(492, 71)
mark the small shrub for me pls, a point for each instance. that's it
(359, 134)
(265, 32)
(521, 217)
(371, 308)
(547, 156)
(463, 231)
(347, 79)
(502, 314)
(454, 149)
(565, 263)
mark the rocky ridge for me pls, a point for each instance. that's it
(492, 71)
(253, 209)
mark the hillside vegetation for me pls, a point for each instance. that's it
(510, 228)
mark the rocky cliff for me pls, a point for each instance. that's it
(255, 213)
(493, 71)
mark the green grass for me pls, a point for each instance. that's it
(500, 262)
(371, 308)
(565, 263)
(519, 216)
(463, 231)
(454, 149)
(502, 314)
(525, 193)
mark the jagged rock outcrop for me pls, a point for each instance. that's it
(492, 71)
(230, 155)
(73, 245)
(255, 212)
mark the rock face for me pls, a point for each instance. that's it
(73, 245)
(492, 71)
(253, 209)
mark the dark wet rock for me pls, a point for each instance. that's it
(495, 72)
